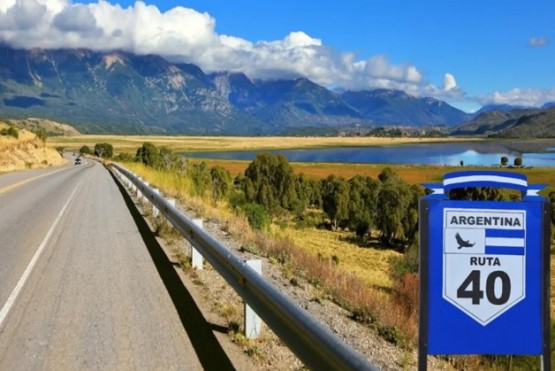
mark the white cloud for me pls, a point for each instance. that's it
(449, 82)
(538, 42)
(520, 97)
(185, 35)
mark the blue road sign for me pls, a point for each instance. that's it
(484, 269)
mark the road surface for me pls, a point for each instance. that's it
(78, 287)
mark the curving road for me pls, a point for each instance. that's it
(78, 287)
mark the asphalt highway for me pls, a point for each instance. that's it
(78, 287)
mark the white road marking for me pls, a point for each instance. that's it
(16, 291)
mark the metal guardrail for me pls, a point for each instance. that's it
(314, 344)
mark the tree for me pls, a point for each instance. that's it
(308, 192)
(504, 161)
(335, 199)
(388, 175)
(201, 178)
(168, 160)
(410, 218)
(518, 161)
(149, 155)
(272, 179)
(85, 150)
(392, 205)
(104, 150)
(221, 183)
(362, 203)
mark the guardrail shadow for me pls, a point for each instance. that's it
(209, 351)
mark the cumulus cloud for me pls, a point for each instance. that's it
(520, 97)
(449, 82)
(185, 35)
(538, 42)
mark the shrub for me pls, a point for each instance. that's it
(11, 131)
(149, 155)
(104, 150)
(256, 215)
(41, 134)
(85, 150)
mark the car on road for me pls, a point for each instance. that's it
(77, 161)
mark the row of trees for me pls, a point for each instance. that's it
(505, 161)
(103, 150)
(269, 188)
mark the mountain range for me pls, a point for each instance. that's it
(118, 92)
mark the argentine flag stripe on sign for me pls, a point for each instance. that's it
(507, 242)
(504, 242)
(505, 233)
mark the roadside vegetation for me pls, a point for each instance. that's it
(355, 238)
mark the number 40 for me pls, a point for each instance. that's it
(470, 288)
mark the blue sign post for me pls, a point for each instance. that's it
(484, 270)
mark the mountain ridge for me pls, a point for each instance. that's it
(120, 92)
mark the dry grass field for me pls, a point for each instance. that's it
(369, 264)
(129, 143)
(414, 174)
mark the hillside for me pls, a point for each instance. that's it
(25, 152)
(118, 92)
(517, 123)
(534, 125)
(490, 122)
(52, 128)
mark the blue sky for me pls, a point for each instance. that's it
(468, 53)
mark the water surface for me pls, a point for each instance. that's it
(533, 153)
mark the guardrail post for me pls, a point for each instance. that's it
(155, 210)
(253, 323)
(143, 196)
(139, 193)
(196, 257)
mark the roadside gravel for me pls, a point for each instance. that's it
(224, 309)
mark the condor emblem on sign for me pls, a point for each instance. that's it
(484, 260)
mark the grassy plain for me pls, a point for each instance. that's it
(130, 143)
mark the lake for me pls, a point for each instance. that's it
(533, 152)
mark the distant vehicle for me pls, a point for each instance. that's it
(77, 161)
